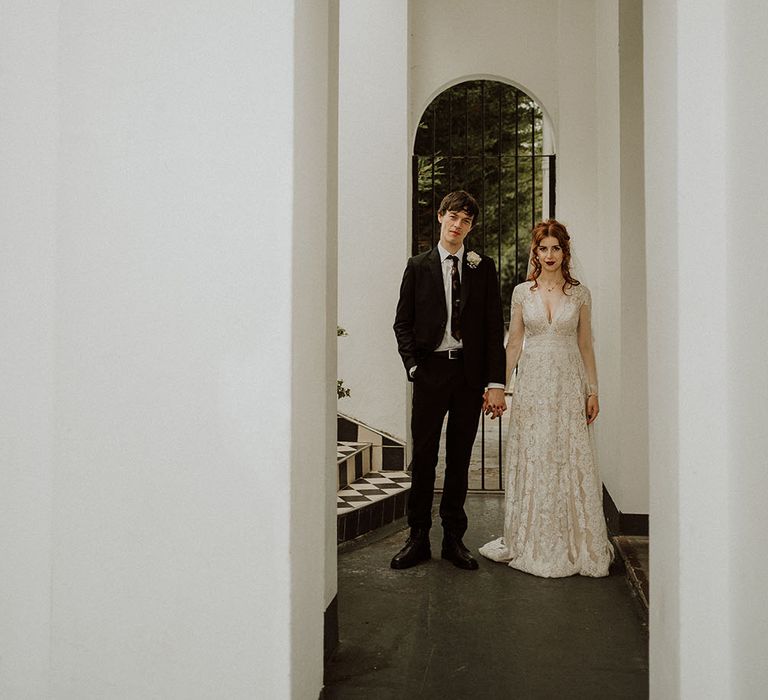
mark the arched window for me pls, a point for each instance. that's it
(490, 139)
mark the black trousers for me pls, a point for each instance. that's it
(440, 387)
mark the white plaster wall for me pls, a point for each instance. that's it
(578, 145)
(566, 55)
(28, 138)
(374, 207)
(633, 441)
(689, 238)
(454, 41)
(746, 338)
(168, 414)
(604, 242)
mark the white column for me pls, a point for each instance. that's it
(313, 328)
(331, 300)
(605, 244)
(743, 406)
(660, 84)
(374, 206)
(632, 434)
(28, 139)
(687, 228)
(167, 427)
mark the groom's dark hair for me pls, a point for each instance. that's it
(459, 201)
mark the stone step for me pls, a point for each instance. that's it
(387, 452)
(353, 459)
(633, 550)
(376, 499)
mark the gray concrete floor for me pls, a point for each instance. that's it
(436, 631)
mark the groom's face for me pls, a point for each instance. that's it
(454, 228)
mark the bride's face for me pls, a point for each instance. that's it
(550, 253)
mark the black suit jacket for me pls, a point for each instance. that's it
(421, 316)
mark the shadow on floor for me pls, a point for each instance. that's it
(436, 631)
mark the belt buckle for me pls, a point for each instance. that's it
(453, 354)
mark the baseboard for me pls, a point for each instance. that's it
(623, 523)
(331, 629)
(612, 514)
(634, 524)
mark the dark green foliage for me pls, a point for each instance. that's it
(341, 391)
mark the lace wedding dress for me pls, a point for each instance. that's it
(554, 524)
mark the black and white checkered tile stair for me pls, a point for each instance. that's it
(354, 460)
(372, 487)
(372, 484)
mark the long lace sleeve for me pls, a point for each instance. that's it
(516, 333)
(586, 347)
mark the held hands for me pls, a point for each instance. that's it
(593, 408)
(493, 403)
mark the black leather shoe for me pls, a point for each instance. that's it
(416, 550)
(455, 552)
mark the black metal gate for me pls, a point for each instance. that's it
(490, 139)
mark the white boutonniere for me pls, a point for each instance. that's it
(473, 259)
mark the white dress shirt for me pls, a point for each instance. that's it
(449, 342)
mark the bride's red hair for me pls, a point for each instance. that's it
(554, 228)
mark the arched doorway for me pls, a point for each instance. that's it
(491, 139)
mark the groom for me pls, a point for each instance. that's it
(449, 330)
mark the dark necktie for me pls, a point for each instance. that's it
(455, 297)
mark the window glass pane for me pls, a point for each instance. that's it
(509, 121)
(538, 189)
(442, 123)
(491, 209)
(458, 103)
(425, 133)
(474, 117)
(491, 118)
(524, 191)
(458, 173)
(538, 126)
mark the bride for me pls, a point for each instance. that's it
(554, 524)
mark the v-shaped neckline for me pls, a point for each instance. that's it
(555, 311)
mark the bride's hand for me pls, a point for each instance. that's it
(593, 408)
(494, 403)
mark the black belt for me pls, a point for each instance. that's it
(454, 354)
